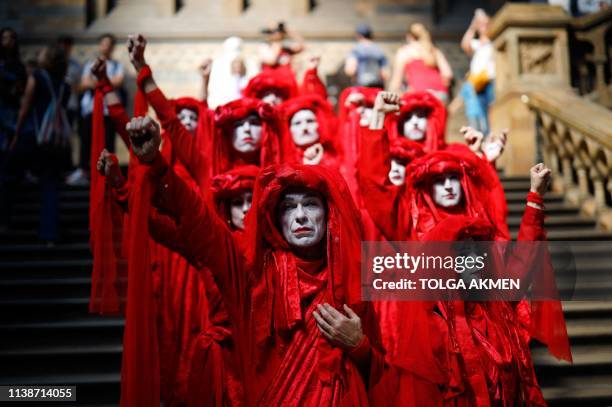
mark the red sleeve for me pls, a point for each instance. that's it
(120, 120)
(380, 197)
(312, 84)
(183, 142)
(121, 195)
(204, 240)
(532, 225)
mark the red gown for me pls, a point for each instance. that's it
(270, 293)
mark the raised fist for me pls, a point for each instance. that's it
(473, 138)
(540, 178)
(205, 67)
(108, 165)
(387, 102)
(313, 154)
(98, 69)
(136, 45)
(145, 138)
(313, 62)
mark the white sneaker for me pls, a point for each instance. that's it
(77, 178)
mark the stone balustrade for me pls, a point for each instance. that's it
(575, 137)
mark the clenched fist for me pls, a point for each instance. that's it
(108, 165)
(98, 69)
(145, 138)
(387, 102)
(205, 67)
(540, 178)
(136, 45)
(473, 138)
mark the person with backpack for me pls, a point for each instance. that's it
(44, 104)
(367, 64)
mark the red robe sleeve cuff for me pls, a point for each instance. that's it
(361, 353)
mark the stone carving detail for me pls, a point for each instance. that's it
(536, 56)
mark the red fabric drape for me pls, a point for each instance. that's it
(140, 365)
(108, 274)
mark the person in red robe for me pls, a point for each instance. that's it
(308, 128)
(271, 87)
(214, 375)
(303, 333)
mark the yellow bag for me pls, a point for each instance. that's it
(479, 80)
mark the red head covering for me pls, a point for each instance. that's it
(327, 126)
(405, 150)
(230, 184)
(205, 122)
(276, 295)
(436, 119)
(281, 83)
(425, 213)
(223, 156)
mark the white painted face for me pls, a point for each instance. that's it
(272, 99)
(397, 173)
(415, 125)
(189, 120)
(365, 116)
(446, 190)
(246, 137)
(302, 218)
(304, 128)
(239, 206)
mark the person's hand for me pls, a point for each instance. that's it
(136, 45)
(205, 67)
(473, 138)
(98, 69)
(355, 98)
(313, 154)
(145, 138)
(495, 144)
(313, 62)
(387, 102)
(340, 329)
(540, 178)
(108, 165)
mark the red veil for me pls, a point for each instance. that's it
(475, 182)
(436, 119)
(231, 183)
(280, 82)
(223, 156)
(327, 129)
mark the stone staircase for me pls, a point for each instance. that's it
(48, 337)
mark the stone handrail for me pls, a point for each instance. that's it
(576, 143)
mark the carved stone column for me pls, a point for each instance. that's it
(531, 53)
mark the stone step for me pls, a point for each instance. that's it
(45, 269)
(54, 309)
(587, 360)
(587, 309)
(66, 220)
(521, 197)
(558, 221)
(75, 251)
(577, 235)
(551, 209)
(86, 330)
(580, 391)
(588, 331)
(60, 360)
(67, 235)
(45, 288)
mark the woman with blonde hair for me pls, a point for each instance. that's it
(422, 64)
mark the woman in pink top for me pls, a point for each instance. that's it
(422, 64)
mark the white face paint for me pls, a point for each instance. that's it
(302, 218)
(447, 191)
(304, 128)
(189, 120)
(246, 137)
(365, 116)
(272, 99)
(415, 125)
(397, 173)
(239, 206)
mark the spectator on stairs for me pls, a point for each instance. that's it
(367, 64)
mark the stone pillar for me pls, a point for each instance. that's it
(531, 53)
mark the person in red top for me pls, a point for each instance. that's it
(300, 343)
(309, 132)
(214, 373)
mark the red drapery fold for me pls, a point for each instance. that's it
(140, 384)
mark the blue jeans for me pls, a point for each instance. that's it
(477, 105)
